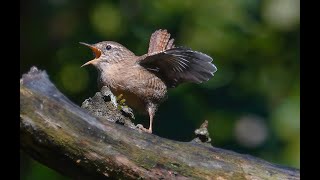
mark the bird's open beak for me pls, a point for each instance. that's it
(96, 52)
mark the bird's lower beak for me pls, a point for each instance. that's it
(96, 52)
(89, 62)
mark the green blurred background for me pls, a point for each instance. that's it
(253, 101)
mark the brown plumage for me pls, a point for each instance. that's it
(144, 80)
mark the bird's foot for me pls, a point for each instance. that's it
(140, 127)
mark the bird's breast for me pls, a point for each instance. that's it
(137, 85)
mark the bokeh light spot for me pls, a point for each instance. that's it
(283, 15)
(106, 20)
(251, 131)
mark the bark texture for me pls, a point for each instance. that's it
(88, 144)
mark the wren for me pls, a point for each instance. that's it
(143, 81)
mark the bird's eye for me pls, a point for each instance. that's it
(108, 47)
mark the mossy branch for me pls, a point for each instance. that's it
(65, 137)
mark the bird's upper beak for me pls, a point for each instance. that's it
(96, 52)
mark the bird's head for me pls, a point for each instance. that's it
(107, 52)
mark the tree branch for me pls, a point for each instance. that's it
(65, 137)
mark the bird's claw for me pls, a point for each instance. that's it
(140, 127)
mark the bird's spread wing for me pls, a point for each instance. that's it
(178, 65)
(160, 41)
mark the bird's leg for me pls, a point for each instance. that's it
(151, 111)
(151, 114)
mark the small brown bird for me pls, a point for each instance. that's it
(144, 80)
